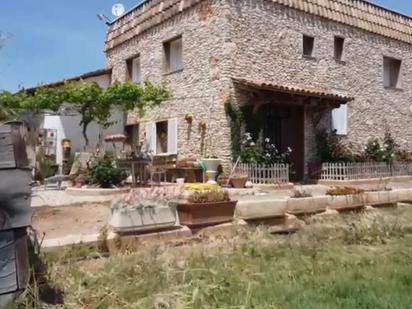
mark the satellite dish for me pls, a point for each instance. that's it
(118, 9)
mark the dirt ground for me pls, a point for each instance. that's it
(70, 220)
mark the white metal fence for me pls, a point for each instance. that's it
(368, 170)
(265, 174)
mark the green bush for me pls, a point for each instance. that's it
(105, 174)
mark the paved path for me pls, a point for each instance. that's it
(58, 198)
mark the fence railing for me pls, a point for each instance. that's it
(368, 170)
(265, 174)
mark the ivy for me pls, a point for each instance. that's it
(236, 117)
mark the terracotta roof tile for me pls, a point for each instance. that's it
(306, 91)
(356, 13)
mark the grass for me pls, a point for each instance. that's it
(354, 261)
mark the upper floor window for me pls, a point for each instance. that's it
(173, 55)
(308, 45)
(338, 48)
(134, 70)
(391, 72)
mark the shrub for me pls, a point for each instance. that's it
(331, 149)
(344, 191)
(104, 174)
(381, 150)
(300, 194)
(267, 154)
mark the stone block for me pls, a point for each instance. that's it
(260, 207)
(225, 230)
(346, 202)
(382, 198)
(307, 205)
(121, 242)
(404, 195)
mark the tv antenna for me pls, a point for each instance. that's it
(118, 10)
(104, 19)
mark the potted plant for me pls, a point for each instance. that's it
(212, 164)
(145, 210)
(105, 174)
(345, 198)
(205, 204)
(239, 179)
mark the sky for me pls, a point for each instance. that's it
(49, 40)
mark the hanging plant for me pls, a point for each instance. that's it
(189, 118)
(203, 125)
(236, 117)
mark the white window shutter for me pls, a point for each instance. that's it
(172, 136)
(136, 72)
(151, 137)
(176, 58)
(340, 119)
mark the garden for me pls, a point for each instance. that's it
(354, 261)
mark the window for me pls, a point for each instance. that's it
(339, 44)
(340, 120)
(173, 55)
(162, 136)
(391, 72)
(134, 70)
(308, 44)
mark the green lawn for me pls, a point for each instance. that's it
(354, 261)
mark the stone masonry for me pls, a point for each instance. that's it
(262, 41)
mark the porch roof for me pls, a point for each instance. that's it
(293, 90)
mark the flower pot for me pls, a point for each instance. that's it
(346, 202)
(238, 182)
(307, 205)
(142, 220)
(211, 164)
(205, 214)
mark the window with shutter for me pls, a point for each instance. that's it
(172, 136)
(136, 71)
(151, 137)
(340, 120)
(173, 55)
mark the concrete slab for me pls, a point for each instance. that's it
(225, 230)
(259, 207)
(121, 242)
(95, 191)
(307, 205)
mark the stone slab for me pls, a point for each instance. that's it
(346, 202)
(307, 205)
(260, 207)
(225, 230)
(381, 198)
(119, 242)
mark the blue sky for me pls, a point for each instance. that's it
(54, 39)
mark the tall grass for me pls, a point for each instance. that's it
(361, 261)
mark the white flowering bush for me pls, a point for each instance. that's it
(381, 150)
(267, 153)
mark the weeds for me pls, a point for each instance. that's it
(354, 261)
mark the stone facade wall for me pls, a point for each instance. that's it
(260, 40)
(267, 46)
(199, 88)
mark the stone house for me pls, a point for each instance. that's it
(296, 65)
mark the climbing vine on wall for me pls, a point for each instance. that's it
(235, 116)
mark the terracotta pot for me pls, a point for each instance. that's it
(239, 182)
(205, 214)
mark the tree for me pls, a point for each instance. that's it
(93, 103)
